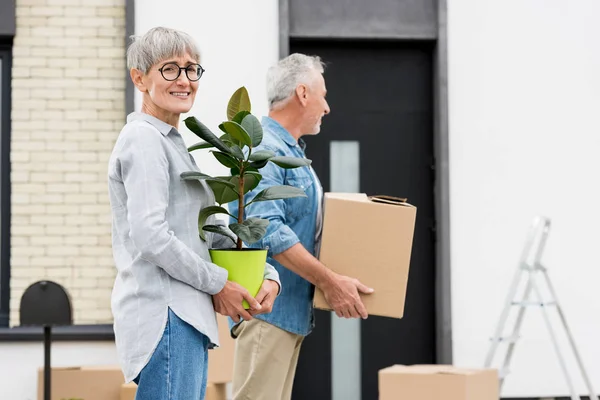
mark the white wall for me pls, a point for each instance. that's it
(238, 41)
(524, 94)
(19, 363)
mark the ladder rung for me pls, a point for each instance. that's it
(534, 303)
(506, 339)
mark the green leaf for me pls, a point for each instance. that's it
(251, 181)
(225, 191)
(195, 175)
(200, 145)
(207, 212)
(220, 229)
(191, 175)
(239, 117)
(204, 133)
(239, 101)
(251, 230)
(237, 132)
(259, 164)
(226, 159)
(278, 193)
(290, 162)
(237, 152)
(262, 155)
(254, 129)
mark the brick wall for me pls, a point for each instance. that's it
(68, 97)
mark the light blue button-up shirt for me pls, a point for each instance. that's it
(291, 221)
(161, 261)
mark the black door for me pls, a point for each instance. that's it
(381, 95)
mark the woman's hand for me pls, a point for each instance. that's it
(229, 300)
(266, 297)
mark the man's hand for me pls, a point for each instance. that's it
(266, 297)
(229, 300)
(342, 294)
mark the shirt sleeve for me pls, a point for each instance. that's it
(145, 173)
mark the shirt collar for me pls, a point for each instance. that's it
(162, 126)
(282, 132)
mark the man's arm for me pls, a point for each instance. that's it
(341, 292)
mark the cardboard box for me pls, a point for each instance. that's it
(128, 391)
(89, 383)
(438, 382)
(220, 360)
(369, 238)
(214, 391)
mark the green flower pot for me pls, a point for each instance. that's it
(246, 267)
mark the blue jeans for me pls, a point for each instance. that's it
(178, 367)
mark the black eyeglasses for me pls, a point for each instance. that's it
(171, 71)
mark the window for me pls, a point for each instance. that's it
(5, 107)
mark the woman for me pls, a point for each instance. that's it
(167, 289)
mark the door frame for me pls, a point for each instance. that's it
(443, 310)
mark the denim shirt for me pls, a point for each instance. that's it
(291, 221)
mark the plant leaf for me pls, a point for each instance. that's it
(259, 164)
(239, 117)
(277, 193)
(237, 132)
(220, 229)
(204, 133)
(239, 101)
(261, 155)
(200, 145)
(225, 191)
(290, 162)
(254, 129)
(237, 152)
(195, 175)
(207, 212)
(251, 230)
(226, 159)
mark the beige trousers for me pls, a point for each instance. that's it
(265, 361)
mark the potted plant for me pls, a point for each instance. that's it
(234, 149)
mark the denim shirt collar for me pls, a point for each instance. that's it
(283, 133)
(162, 126)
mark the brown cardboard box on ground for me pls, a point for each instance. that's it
(89, 383)
(213, 391)
(437, 382)
(369, 240)
(128, 391)
(220, 360)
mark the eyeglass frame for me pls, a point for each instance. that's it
(202, 70)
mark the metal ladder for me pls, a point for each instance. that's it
(531, 267)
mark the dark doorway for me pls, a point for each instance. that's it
(381, 95)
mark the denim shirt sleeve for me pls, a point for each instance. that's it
(279, 236)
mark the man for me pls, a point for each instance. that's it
(267, 346)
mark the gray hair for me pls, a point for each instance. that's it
(287, 74)
(159, 44)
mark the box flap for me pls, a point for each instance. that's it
(395, 201)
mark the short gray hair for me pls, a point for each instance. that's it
(288, 73)
(159, 44)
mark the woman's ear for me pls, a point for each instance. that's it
(136, 78)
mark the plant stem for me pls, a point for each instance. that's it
(240, 205)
